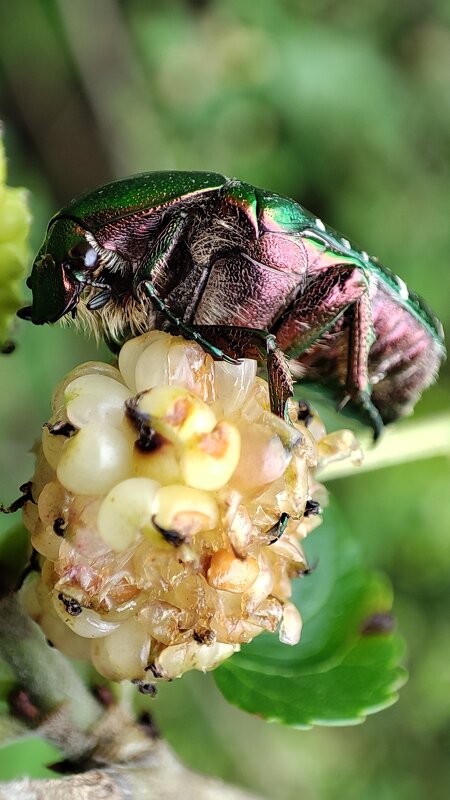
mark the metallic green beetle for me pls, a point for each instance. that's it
(247, 272)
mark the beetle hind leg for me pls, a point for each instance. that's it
(360, 339)
(362, 400)
(338, 292)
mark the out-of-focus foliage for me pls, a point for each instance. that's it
(14, 255)
(344, 106)
(343, 669)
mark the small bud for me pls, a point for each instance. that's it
(46, 541)
(95, 399)
(241, 532)
(338, 446)
(129, 356)
(233, 383)
(124, 654)
(290, 550)
(82, 621)
(263, 458)
(175, 660)
(89, 368)
(160, 463)
(52, 445)
(94, 460)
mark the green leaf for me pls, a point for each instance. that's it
(28, 758)
(14, 554)
(337, 674)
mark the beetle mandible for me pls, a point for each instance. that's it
(247, 273)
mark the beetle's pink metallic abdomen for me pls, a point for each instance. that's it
(404, 359)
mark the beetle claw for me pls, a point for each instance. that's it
(363, 401)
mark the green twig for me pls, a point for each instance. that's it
(408, 442)
(64, 702)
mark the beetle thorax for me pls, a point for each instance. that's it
(221, 233)
(208, 235)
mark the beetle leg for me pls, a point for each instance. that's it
(336, 291)
(319, 306)
(236, 342)
(188, 331)
(160, 251)
(148, 273)
(360, 339)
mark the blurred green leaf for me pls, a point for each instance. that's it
(7, 684)
(28, 758)
(337, 674)
(14, 554)
(14, 228)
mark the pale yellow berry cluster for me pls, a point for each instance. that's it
(14, 228)
(168, 506)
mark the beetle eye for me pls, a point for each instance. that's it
(85, 254)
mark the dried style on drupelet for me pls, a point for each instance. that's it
(168, 506)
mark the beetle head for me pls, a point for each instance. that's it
(59, 272)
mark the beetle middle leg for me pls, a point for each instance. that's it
(224, 343)
(335, 292)
(236, 343)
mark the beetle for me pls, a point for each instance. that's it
(246, 272)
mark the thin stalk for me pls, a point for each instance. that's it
(408, 442)
(45, 675)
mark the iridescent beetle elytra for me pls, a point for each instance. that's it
(247, 272)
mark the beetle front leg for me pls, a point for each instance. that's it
(159, 252)
(337, 291)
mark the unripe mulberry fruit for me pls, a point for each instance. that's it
(14, 228)
(168, 506)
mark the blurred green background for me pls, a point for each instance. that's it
(345, 107)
